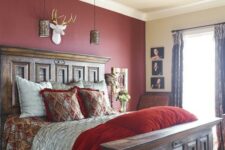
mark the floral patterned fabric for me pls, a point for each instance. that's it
(101, 86)
(19, 132)
(95, 103)
(62, 105)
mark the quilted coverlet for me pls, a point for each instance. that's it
(62, 135)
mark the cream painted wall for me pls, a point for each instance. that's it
(158, 34)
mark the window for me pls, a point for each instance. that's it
(199, 72)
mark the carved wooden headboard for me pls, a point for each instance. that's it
(40, 65)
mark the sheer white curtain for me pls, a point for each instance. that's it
(199, 72)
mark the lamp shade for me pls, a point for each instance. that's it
(94, 37)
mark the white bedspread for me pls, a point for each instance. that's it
(61, 136)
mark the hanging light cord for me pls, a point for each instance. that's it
(94, 14)
(44, 10)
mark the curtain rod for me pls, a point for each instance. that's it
(197, 27)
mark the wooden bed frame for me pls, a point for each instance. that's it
(196, 135)
(40, 65)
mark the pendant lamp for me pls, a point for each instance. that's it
(44, 25)
(94, 34)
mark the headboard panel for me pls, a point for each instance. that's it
(38, 66)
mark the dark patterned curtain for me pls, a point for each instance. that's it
(177, 69)
(220, 78)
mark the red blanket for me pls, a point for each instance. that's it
(131, 124)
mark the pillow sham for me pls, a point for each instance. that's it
(95, 103)
(31, 103)
(61, 86)
(101, 86)
(62, 105)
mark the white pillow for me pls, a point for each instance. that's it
(31, 103)
(59, 86)
(101, 86)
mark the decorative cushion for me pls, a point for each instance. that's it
(31, 103)
(101, 86)
(62, 105)
(95, 103)
(61, 86)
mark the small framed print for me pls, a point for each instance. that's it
(157, 67)
(157, 82)
(157, 53)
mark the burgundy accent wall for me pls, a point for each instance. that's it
(122, 37)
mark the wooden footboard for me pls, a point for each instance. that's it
(196, 135)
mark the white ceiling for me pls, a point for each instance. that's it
(154, 5)
(155, 9)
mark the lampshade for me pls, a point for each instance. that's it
(94, 34)
(94, 37)
(44, 28)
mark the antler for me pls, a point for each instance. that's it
(72, 19)
(64, 22)
(54, 16)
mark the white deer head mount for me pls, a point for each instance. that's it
(58, 29)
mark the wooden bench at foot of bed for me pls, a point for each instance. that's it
(196, 135)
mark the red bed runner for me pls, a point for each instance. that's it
(131, 124)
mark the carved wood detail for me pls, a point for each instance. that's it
(181, 137)
(62, 73)
(43, 72)
(18, 69)
(204, 143)
(93, 74)
(41, 69)
(78, 73)
(52, 55)
(192, 145)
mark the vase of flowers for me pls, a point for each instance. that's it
(123, 97)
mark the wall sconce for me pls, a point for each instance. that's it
(94, 34)
(44, 25)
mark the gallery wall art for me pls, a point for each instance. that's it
(156, 58)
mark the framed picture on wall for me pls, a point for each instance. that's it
(157, 82)
(157, 67)
(157, 53)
